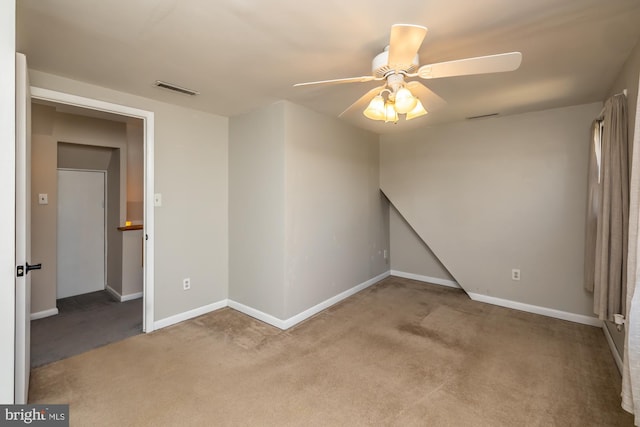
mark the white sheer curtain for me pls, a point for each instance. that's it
(631, 360)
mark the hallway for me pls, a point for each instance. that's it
(84, 322)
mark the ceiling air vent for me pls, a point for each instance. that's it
(484, 116)
(175, 88)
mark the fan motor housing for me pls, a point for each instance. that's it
(380, 66)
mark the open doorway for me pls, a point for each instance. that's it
(69, 138)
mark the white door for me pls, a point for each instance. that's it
(81, 232)
(23, 231)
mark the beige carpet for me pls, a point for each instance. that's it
(399, 353)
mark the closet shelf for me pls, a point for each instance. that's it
(131, 227)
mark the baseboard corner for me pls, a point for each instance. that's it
(257, 314)
(300, 317)
(44, 313)
(190, 314)
(115, 294)
(131, 297)
(426, 279)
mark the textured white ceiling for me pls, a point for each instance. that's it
(245, 54)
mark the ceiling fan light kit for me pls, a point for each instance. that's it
(402, 103)
(399, 60)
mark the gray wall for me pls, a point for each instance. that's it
(135, 171)
(78, 156)
(114, 236)
(132, 262)
(628, 79)
(191, 159)
(256, 209)
(307, 219)
(495, 194)
(43, 221)
(337, 221)
(409, 254)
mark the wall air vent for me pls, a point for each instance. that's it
(483, 116)
(175, 88)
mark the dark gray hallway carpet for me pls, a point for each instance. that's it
(84, 322)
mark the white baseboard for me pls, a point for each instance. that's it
(257, 314)
(544, 311)
(294, 320)
(44, 313)
(130, 297)
(113, 292)
(612, 347)
(427, 279)
(549, 312)
(123, 298)
(172, 320)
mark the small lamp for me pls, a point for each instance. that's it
(376, 109)
(405, 101)
(417, 111)
(390, 113)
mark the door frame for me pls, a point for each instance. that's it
(148, 125)
(22, 282)
(105, 200)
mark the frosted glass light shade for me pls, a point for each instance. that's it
(376, 109)
(405, 101)
(416, 112)
(390, 113)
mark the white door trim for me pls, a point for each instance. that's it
(23, 231)
(7, 199)
(149, 126)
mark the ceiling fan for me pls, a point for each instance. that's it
(400, 61)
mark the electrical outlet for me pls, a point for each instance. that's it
(386, 254)
(186, 284)
(515, 274)
(157, 200)
(43, 199)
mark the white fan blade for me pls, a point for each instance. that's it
(404, 43)
(362, 103)
(464, 67)
(429, 99)
(346, 80)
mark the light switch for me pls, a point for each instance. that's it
(157, 199)
(43, 199)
